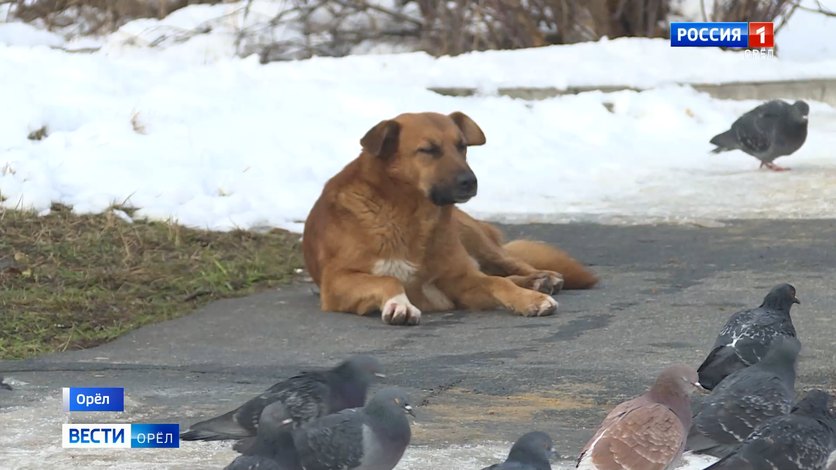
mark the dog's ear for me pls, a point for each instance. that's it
(472, 133)
(382, 139)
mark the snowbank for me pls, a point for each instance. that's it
(186, 131)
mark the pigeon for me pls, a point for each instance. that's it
(274, 436)
(307, 396)
(647, 432)
(802, 440)
(745, 338)
(746, 399)
(370, 438)
(532, 451)
(773, 129)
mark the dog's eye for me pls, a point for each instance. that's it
(433, 150)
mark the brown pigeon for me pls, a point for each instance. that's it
(647, 432)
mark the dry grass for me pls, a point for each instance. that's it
(72, 281)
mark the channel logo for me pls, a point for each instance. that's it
(737, 34)
(120, 436)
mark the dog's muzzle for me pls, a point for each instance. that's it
(462, 190)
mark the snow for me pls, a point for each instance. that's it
(24, 34)
(235, 144)
(809, 36)
(184, 130)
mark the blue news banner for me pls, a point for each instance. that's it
(111, 436)
(716, 34)
(120, 436)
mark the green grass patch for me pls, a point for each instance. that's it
(71, 281)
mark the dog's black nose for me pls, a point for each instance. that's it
(466, 182)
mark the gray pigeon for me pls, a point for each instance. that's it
(532, 451)
(773, 129)
(370, 438)
(746, 336)
(273, 445)
(647, 432)
(802, 440)
(746, 399)
(307, 396)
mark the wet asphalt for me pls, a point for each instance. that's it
(665, 292)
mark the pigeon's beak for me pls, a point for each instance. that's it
(287, 421)
(408, 410)
(700, 389)
(380, 375)
(796, 301)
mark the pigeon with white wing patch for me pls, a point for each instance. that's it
(746, 336)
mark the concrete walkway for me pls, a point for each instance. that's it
(475, 377)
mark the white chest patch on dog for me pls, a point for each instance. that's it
(400, 269)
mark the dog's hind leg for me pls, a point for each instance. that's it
(546, 257)
(362, 293)
(483, 243)
(474, 290)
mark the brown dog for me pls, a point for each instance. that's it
(385, 234)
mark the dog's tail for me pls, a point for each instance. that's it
(546, 257)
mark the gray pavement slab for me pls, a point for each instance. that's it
(476, 377)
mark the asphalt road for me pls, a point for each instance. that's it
(475, 377)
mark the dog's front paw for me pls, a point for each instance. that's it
(542, 306)
(399, 311)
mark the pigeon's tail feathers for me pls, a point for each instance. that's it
(216, 429)
(731, 462)
(544, 256)
(721, 361)
(724, 142)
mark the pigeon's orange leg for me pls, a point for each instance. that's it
(774, 167)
